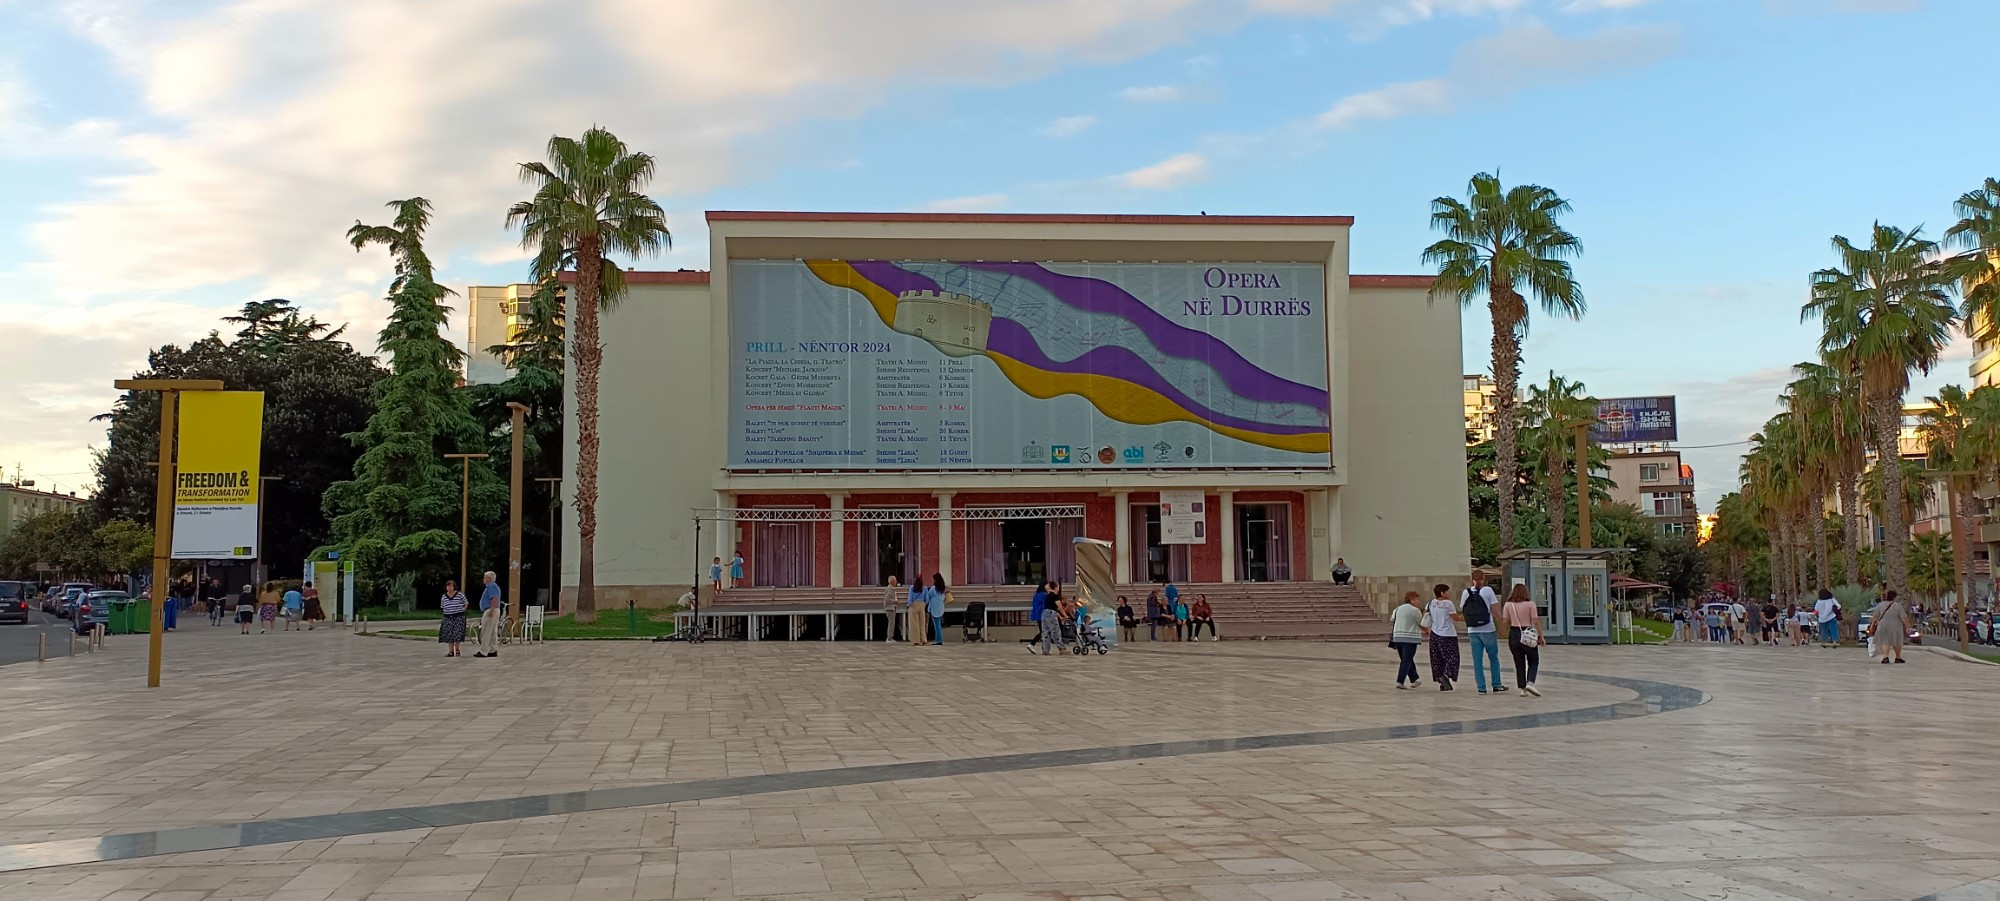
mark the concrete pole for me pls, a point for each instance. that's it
(514, 514)
(163, 536)
(1583, 484)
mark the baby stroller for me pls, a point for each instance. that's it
(1086, 638)
(975, 622)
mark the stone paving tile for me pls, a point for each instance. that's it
(1774, 790)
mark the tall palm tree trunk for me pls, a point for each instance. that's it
(1506, 379)
(1781, 560)
(1888, 419)
(1850, 521)
(1558, 508)
(1801, 533)
(1816, 522)
(589, 352)
(1961, 545)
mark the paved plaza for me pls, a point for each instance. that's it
(323, 765)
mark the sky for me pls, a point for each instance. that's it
(169, 161)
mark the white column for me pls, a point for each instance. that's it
(1333, 549)
(944, 538)
(837, 547)
(1228, 529)
(1121, 537)
(1319, 543)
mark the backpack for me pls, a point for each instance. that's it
(1476, 611)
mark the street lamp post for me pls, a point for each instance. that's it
(163, 505)
(555, 494)
(517, 450)
(464, 507)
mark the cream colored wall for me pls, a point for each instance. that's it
(655, 452)
(485, 326)
(1403, 509)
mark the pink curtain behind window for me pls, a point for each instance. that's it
(1061, 556)
(985, 555)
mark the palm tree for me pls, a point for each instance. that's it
(588, 204)
(1500, 242)
(1830, 397)
(1932, 566)
(1977, 269)
(1736, 531)
(1553, 413)
(1886, 308)
(1947, 434)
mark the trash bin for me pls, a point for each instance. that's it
(120, 617)
(141, 611)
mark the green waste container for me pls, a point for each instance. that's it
(121, 617)
(141, 611)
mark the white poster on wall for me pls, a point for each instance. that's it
(1183, 518)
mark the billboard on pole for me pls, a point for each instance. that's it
(216, 483)
(895, 365)
(1636, 420)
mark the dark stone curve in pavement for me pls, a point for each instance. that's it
(1653, 698)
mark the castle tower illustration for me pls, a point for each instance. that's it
(953, 323)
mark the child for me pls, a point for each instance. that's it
(736, 569)
(715, 574)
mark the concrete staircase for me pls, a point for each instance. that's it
(1243, 610)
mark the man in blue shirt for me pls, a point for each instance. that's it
(489, 618)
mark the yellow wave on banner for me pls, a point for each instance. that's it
(840, 275)
(1124, 401)
(1137, 404)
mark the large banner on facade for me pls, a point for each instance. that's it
(215, 482)
(866, 364)
(1636, 420)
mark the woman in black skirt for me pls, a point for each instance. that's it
(451, 630)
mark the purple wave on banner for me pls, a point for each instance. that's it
(1014, 340)
(1092, 295)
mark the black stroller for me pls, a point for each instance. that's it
(975, 622)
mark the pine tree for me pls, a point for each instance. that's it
(398, 517)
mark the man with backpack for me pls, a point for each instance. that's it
(1476, 606)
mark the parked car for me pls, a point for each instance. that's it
(14, 601)
(94, 609)
(72, 592)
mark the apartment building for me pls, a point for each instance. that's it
(1656, 481)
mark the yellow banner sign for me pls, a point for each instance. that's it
(216, 486)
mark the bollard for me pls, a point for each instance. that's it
(72, 643)
(632, 617)
(41, 647)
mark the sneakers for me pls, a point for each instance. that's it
(1531, 689)
(1444, 685)
(1401, 687)
(1499, 688)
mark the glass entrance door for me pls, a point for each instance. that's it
(1263, 543)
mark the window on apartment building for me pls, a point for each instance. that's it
(1660, 504)
(1649, 472)
(1673, 528)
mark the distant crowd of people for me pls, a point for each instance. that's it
(1887, 625)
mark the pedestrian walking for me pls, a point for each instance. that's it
(1739, 617)
(1443, 636)
(1524, 638)
(892, 606)
(1889, 625)
(1406, 629)
(1156, 615)
(451, 623)
(295, 608)
(1827, 611)
(1680, 624)
(267, 611)
(1202, 615)
(246, 608)
(315, 614)
(1050, 620)
(1772, 625)
(934, 601)
(1476, 608)
(1753, 622)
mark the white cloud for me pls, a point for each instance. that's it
(977, 203)
(1507, 63)
(267, 128)
(1408, 98)
(1068, 126)
(1172, 172)
(1159, 93)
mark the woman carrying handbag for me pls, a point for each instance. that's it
(1524, 638)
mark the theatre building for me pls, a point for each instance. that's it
(846, 397)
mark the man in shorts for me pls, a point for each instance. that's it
(295, 607)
